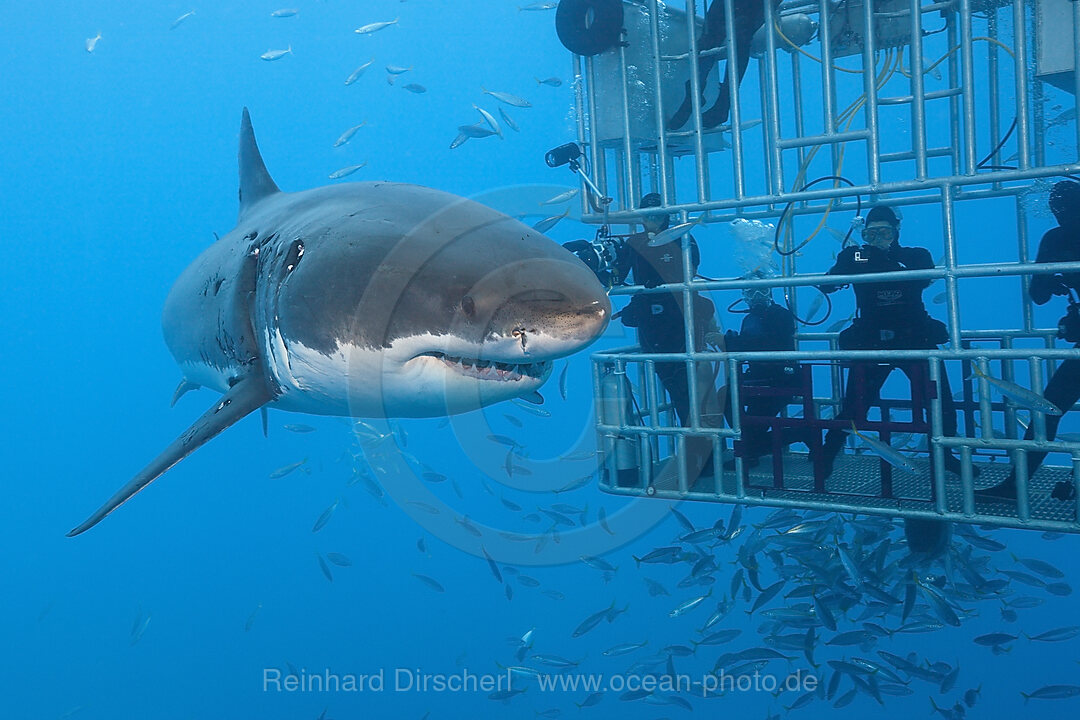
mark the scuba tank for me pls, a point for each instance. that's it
(926, 538)
(621, 463)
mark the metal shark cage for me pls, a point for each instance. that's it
(914, 103)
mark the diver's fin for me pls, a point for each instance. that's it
(255, 181)
(248, 395)
(265, 421)
(182, 389)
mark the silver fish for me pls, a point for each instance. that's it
(1022, 396)
(271, 55)
(460, 140)
(602, 517)
(507, 98)
(624, 649)
(251, 618)
(324, 517)
(298, 428)
(430, 582)
(346, 171)
(286, 469)
(489, 118)
(1057, 634)
(415, 88)
(338, 559)
(575, 484)
(530, 408)
(324, 568)
(886, 452)
(592, 621)
(539, 6)
(550, 82)
(374, 27)
(91, 43)
(561, 197)
(347, 135)
(548, 223)
(509, 121)
(176, 23)
(673, 233)
(689, 605)
(555, 661)
(475, 131)
(285, 13)
(137, 630)
(491, 564)
(355, 74)
(562, 380)
(1052, 692)
(463, 521)
(1064, 118)
(397, 69)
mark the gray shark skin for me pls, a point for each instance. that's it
(370, 299)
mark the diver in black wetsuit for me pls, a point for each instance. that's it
(659, 318)
(891, 316)
(767, 326)
(1059, 244)
(749, 16)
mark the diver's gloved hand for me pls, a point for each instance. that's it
(650, 283)
(1058, 286)
(731, 341)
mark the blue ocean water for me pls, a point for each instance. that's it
(119, 165)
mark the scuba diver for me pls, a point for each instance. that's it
(891, 316)
(749, 17)
(767, 326)
(659, 318)
(1059, 244)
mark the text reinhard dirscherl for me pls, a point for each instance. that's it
(513, 680)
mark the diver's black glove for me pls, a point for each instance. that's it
(651, 283)
(731, 341)
(1058, 286)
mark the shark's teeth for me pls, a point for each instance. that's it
(492, 370)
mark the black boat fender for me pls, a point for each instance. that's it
(589, 27)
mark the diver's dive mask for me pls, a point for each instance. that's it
(757, 296)
(879, 234)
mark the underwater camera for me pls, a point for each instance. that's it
(568, 153)
(1069, 325)
(604, 255)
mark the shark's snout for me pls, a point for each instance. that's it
(550, 324)
(548, 308)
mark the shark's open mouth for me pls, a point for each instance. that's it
(490, 370)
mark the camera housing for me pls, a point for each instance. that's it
(605, 256)
(562, 155)
(1069, 325)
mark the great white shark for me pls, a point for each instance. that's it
(371, 299)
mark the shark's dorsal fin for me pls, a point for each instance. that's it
(255, 181)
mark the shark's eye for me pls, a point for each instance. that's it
(296, 251)
(468, 306)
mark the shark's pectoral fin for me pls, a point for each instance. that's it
(246, 396)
